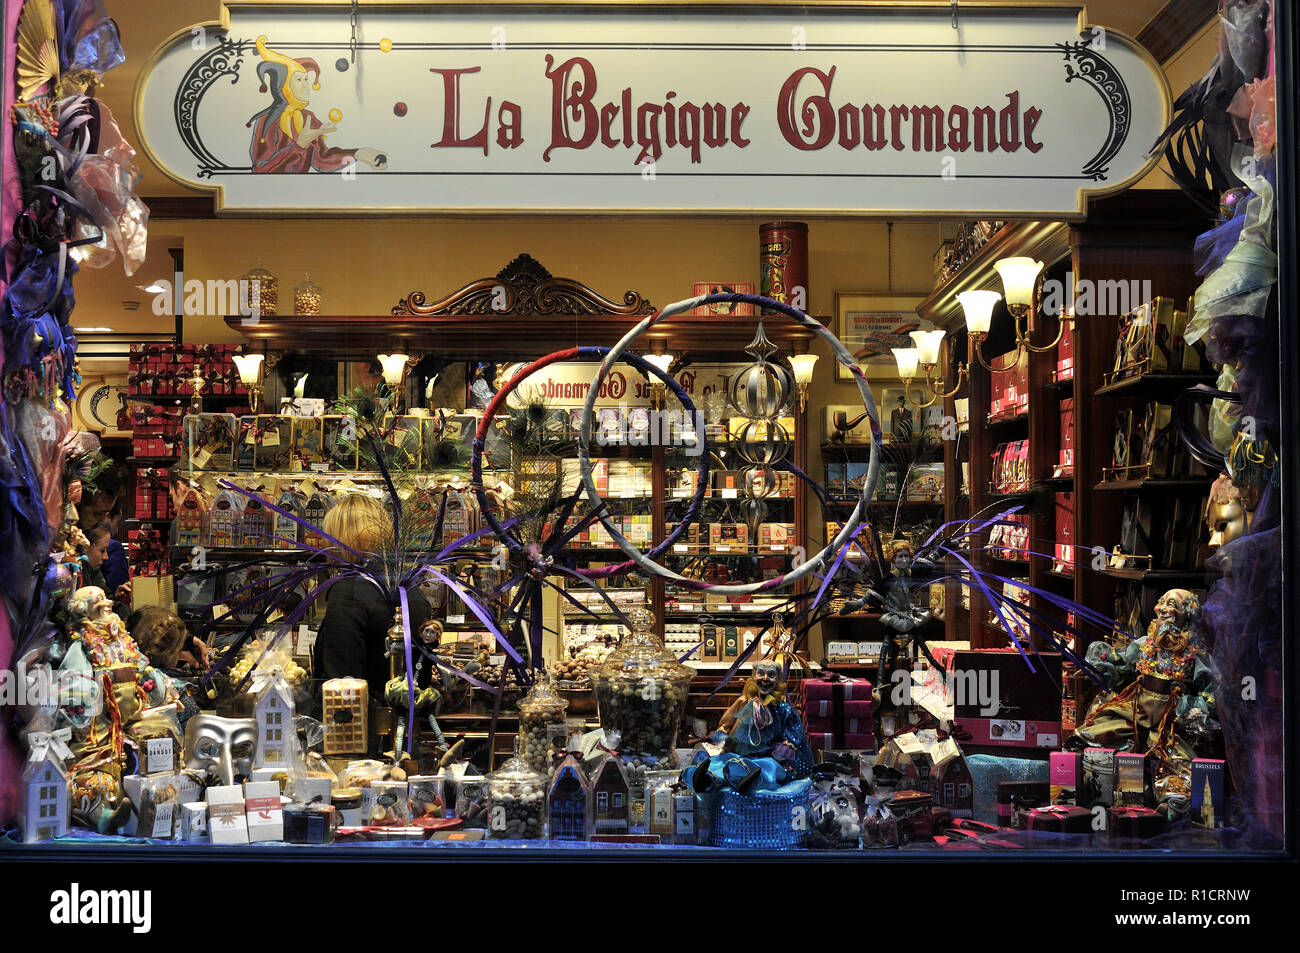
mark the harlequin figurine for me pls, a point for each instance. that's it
(763, 741)
(428, 699)
(118, 681)
(899, 616)
(1161, 696)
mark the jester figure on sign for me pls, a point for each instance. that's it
(761, 737)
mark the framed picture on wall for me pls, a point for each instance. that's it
(898, 415)
(869, 325)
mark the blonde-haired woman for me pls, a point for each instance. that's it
(357, 612)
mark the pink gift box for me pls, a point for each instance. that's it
(820, 741)
(825, 708)
(854, 689)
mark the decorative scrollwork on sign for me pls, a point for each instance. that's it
(224, 59)
(1085, 63)
(523, 287)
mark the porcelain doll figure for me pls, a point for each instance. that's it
(1161, 697)
(126, 681)
(428, 698)
(764, 744)
(899, 617)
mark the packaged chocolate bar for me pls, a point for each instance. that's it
(1209, 794)
(1133, 780)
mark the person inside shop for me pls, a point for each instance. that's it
(116, 570)
(358, 614)
(170, 648)
(93, 574)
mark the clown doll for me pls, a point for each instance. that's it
(111, 683)
(763, 741)
(287, 136)
(1161, 699)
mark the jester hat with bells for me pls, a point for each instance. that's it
(275, 71)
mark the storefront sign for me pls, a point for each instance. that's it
(767, 108)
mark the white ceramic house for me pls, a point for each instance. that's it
(273, 713)
(44, 810)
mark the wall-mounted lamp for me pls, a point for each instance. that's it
(1020, 284)
(925, 356)
(394, 371)
(658, 389)
(250, 375)
(802, 365)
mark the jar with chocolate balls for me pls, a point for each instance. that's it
(541, 718)
(516, 801)
(641, 693)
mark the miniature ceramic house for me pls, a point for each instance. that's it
(226, 520)
(286, 529)
(189, 518)
(273, 712)
(950, 780)
(569, 802)
(44, 807)
(256, 524)
(610, 791)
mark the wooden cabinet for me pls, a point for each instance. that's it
(1131, 246)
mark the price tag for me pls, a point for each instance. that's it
(628, 493)
(776, 547)
(219, 610)
(456, 620)
(681, 494)
(751, 607)
(680, 547)
(271, 438)
(497, 659)
(320, 467)
(200, 459)
(724, 549)
(729, 494)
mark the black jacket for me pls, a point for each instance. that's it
(351, 639)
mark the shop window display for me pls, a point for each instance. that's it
(695, 629)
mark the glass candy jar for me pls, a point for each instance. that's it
(539, 711)
(307, 298)
(516, 801)
(641, 693)
(261, 292)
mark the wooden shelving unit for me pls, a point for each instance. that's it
(1137, 236)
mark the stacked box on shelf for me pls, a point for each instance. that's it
(838, 714)
(146, 551)
(152, 496)
(1009, 382)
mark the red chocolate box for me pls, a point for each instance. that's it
(1129, 823)
(1062, 818)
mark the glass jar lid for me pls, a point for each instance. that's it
(308, 286)
(542, 697)
(516, 769)
(641, 652)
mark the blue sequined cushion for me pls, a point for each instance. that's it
(776, 819)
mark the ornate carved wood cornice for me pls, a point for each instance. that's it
(523, 288)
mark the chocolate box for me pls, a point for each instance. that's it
(1062, 818)
(1098, 786)
(1065, 771)
(1133, 780)
(998, 700)
(1209, 794)
(1135, 823)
